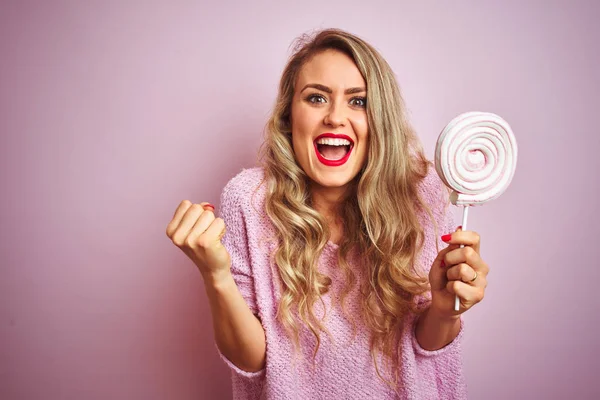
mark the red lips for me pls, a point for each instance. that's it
(333, 163)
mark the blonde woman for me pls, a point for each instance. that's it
(324, 274)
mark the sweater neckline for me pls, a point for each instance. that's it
(333, 245)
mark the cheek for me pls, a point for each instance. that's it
(303, 127)
(299, 131)
(362, 130)
(301, 119)
(297, 119)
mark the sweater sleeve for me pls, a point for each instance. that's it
(436, 374)
(246, 385)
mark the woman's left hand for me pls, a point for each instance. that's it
(458, 271)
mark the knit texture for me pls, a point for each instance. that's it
(343, 367)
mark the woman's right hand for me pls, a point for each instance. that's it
(196, 231)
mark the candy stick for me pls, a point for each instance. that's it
(464, 228)
(475, 156)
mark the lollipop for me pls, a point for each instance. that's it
(475, 156)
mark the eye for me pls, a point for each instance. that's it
(316, 99)
(359, 102)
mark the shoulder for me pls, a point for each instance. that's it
(246, 181)
(245, 187)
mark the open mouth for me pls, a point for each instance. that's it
(333, 150)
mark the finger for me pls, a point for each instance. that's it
(462, 272)
(465, 238)
(441, 255)
(437, 273)
(213, 234)
(176, 220)
(201, 225)
(187, 222)
(207, 206)
(440, 260)
(468, 295)
(469, 256)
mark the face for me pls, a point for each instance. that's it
(329, 120)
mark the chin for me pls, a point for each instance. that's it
(334, 179)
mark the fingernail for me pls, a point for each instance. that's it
(210, 205)
(459, 227)
(443, 264)
(446, 238)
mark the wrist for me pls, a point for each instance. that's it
(442, 317)
(218, 280)
(435, 330)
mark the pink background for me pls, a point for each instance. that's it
(112, 113)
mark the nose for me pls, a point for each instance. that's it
(335, 115)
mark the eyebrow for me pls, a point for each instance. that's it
(325, 89)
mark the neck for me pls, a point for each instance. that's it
(327, 201)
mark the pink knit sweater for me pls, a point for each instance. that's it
(343, 368)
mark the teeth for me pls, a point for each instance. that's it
(334, 142)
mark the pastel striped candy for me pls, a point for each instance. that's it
(476, 156)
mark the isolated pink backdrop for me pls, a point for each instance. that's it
(111, 113)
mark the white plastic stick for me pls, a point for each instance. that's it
(464, 228)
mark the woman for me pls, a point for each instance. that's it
(323, 276)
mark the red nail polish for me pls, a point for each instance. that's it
(210, 205)
(446, 238)
(459, 227)
(443, 264)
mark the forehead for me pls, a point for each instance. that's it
(331, 68)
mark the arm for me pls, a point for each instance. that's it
(239, 334)
(434, 332)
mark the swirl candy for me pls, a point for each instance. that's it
(476, 157)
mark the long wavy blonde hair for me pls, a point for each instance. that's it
(384, 229)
